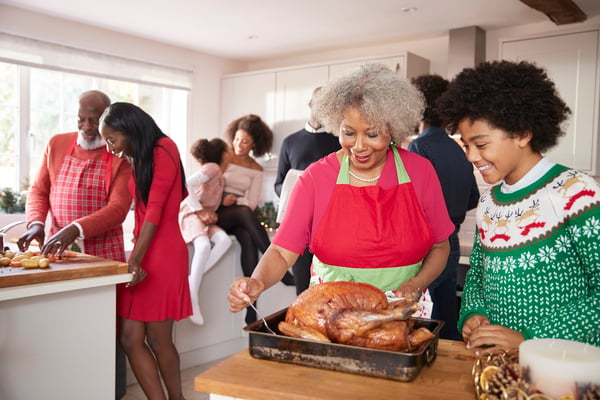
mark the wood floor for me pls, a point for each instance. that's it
(134, 392)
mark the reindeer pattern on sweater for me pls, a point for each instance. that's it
(535, 265)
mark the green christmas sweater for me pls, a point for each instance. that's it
(535, 265)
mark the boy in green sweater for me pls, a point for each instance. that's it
(535, 265)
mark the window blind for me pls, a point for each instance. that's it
(36, 53)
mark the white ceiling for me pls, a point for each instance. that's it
(223, 27)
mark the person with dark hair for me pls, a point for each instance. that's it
(298, 151)
(243, 187)
(460, 190)
(158, 293)
(84, 189)
(55, 191)
(371, 212)
(198, 217)
(535, 265)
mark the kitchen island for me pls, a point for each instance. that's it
(58, 329)
(243, 377)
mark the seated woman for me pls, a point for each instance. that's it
(198, 217)
(243, 186)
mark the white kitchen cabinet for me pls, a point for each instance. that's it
(293, 92)
(407, 65)
(252, 93)
(571, 61)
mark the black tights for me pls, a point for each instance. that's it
(252, 236)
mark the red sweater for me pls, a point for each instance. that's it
(119, 199)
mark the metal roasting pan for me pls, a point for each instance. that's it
(338, 357)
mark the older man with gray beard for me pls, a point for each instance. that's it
(84, 188)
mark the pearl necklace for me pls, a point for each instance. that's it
(363, 179)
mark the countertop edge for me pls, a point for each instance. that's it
(38, 289)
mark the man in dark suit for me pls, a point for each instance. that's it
(460, 190)
(298, 151)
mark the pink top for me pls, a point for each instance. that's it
(245, 183)
(311, 194)
(206, 188)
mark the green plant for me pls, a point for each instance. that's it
(267, 215)
(11, 201)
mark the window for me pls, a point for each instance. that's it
(9, 125)
(36, 103)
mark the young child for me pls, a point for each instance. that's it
(197, 214)
(535, 266)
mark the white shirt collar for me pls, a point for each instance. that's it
(310, 129)
(531, 176)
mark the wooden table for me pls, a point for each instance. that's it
(241, 376)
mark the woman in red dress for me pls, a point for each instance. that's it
(158, 294)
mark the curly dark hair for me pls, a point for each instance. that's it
(257, 128)
(432, 86)
(205, 150)
(516, 97)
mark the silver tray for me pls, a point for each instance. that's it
(338, 357)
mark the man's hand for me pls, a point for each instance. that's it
(35, 231)
(60, 241)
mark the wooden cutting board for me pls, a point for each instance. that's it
(77, 266)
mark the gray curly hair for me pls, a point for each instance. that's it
(388, 102)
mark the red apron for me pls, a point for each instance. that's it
(371, 234)
(80, 189)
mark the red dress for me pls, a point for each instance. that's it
(164, 293)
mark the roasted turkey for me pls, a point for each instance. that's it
(355, 314)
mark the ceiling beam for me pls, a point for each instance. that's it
(561, 12)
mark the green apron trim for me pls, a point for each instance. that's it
(384, 278)
(344, 174)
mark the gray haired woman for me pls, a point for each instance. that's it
(371, 212)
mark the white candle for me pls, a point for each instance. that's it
(554, 366)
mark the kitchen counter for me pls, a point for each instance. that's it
(75, 266)
(58, 329)
(243, 377)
